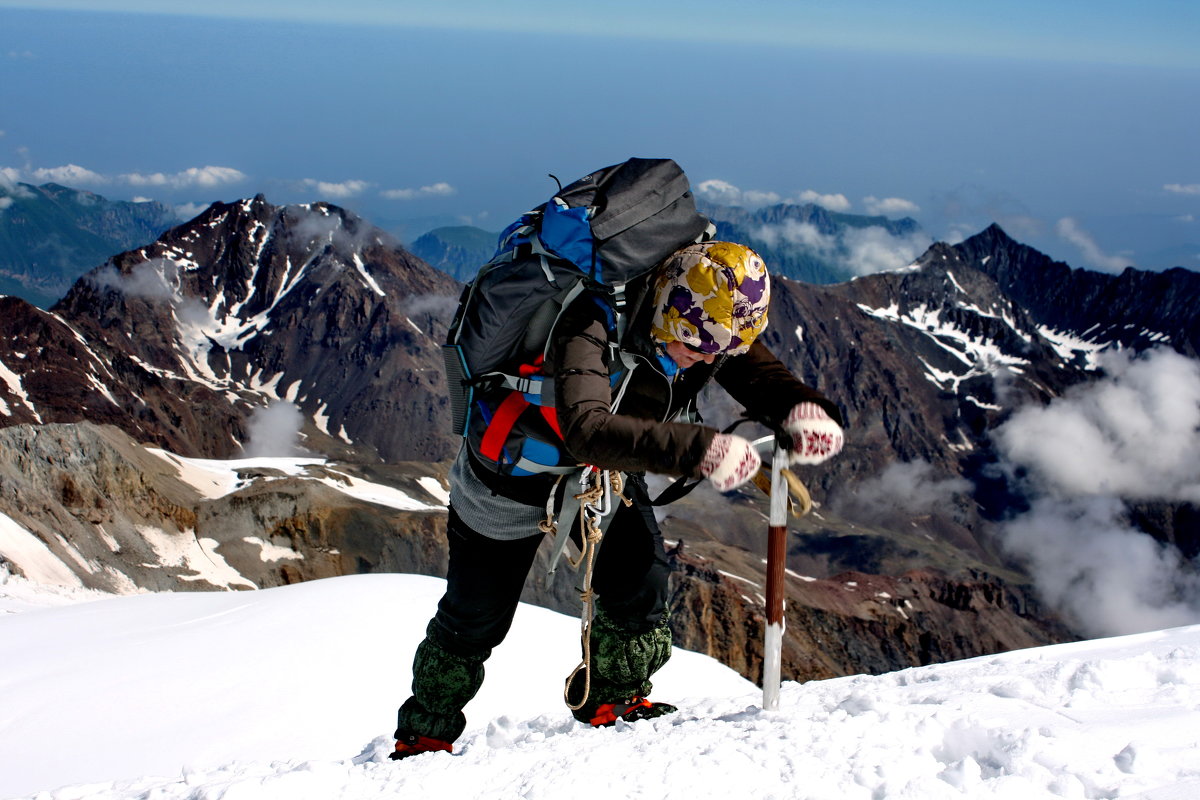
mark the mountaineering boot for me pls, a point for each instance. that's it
(636, 708)
(622, 662)
(443, 683)
(409, 744)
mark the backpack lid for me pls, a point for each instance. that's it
(640, 211)
(636, 191)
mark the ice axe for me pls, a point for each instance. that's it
(785, 490)
(799, 501)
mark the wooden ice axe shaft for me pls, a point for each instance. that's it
(787, 492)
(776, 561)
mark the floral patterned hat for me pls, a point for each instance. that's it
(712, 297)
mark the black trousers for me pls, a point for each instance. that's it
(486, 576)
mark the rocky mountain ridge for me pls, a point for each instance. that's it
(183, 341)
(1142, 309)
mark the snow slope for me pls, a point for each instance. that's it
(290, 693)
(152, 683)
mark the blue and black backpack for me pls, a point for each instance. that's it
(594, 236)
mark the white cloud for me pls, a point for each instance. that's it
(1182, 188)
(1186, 218)
(5, 202)
(726, 194)
(1069, 229)
(74, 175)
(70, 174)
(311, 225)
(862, 251)
(719, 191)
(192, 178)
(833, 202)
(189, 210)
(1133, 435)
(10, 183)
(153, 179)
(338, 191)
(9, 178)
(209, 177)
(274, 430)
(903, 489)
(151, 280)
(889, 206)
(755, 197)
(958, 233)
(804, 234)
(874, 249)
(440, 189)
(1108, 577)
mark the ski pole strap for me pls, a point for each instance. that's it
(681, 488)
(678, 488)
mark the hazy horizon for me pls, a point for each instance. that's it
(1075, 144)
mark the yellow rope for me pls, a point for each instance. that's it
(590, 535)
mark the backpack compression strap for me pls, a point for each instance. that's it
(535, 457)
(505, 418)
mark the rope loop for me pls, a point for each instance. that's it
(617, 481)
(591, 508)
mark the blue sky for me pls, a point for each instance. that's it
(1073, 124)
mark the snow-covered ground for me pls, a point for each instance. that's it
(290, 693)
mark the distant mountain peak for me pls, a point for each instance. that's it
(50, 233)
(246, 305)
(1136, 309)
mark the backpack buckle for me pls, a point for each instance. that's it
(489, 384)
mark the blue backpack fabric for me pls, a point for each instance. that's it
(592, 237)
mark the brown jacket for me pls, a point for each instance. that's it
(638, 437)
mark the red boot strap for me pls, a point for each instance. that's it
(423, 744)
(609, 713)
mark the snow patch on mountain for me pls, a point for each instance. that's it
(199, 556)
(362, 270)
(375, 492)
(17, 389)
(1071, 347)
(216, 478)
(435, 489)
(36, 560)
(270, 552)
(980, 355)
